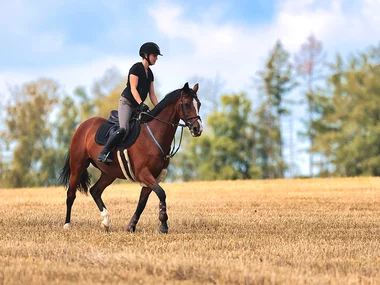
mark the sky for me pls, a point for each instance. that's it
(74, 42)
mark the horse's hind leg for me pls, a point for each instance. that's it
(78, 175)
(71, 195)
(96, 193)
(144, 195)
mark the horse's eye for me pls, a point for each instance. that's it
(187, 105)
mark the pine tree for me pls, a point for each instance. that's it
(276, 82)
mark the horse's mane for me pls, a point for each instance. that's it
(168, 99)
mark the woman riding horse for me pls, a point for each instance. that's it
(140, 81)
(147, 158)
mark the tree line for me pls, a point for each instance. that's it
(340, 99)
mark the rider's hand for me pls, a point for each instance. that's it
(142, 107)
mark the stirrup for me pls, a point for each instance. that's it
(105, 157)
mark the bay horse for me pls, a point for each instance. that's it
(148, 157)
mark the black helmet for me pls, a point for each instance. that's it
(149, 48)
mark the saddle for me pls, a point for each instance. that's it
(112, 124)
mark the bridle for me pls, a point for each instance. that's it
(173, 149)
(197, 117)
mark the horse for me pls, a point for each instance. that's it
(148, 157)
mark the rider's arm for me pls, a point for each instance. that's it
(152, 94)
(133, 81)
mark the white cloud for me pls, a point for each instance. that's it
(231, 51)
(341, 29)
(70, 76)
(237, 52)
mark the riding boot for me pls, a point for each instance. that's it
(106, 154)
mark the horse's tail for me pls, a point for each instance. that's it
(64, 177)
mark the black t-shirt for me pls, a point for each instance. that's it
(143, 84)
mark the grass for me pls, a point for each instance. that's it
(321, 231)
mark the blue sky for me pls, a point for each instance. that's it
(74, 42)
(52, 33)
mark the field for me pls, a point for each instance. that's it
(322, 231)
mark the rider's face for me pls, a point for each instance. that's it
(153, 58)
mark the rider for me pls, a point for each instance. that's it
(140, 83)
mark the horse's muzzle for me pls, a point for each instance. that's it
(196, 129)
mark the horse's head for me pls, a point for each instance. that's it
(189, 105)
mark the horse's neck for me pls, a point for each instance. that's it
(163, 132)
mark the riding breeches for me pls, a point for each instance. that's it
(125, 112)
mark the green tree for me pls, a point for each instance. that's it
(65, 125)
(276, 81)
(87, 107)
(29, 132)
(348, 129)
(67, 122)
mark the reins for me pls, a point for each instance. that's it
(162, 121)
(173, 150)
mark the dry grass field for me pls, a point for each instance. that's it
(322, 231)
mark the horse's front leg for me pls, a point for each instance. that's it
(162, 215)
(147, 178)
(144, 195)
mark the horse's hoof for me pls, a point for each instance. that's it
(163, 229)
(67, 226)
(131, 229)
(105, 228)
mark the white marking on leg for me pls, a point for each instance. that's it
(67, 226)
(106, 218)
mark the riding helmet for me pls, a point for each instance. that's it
(149, 48)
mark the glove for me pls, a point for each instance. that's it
(142, 108)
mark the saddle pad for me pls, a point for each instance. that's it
(107, 128)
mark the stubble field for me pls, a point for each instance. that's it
(322, 231)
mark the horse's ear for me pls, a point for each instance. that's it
(186, 86)
(196, 87)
